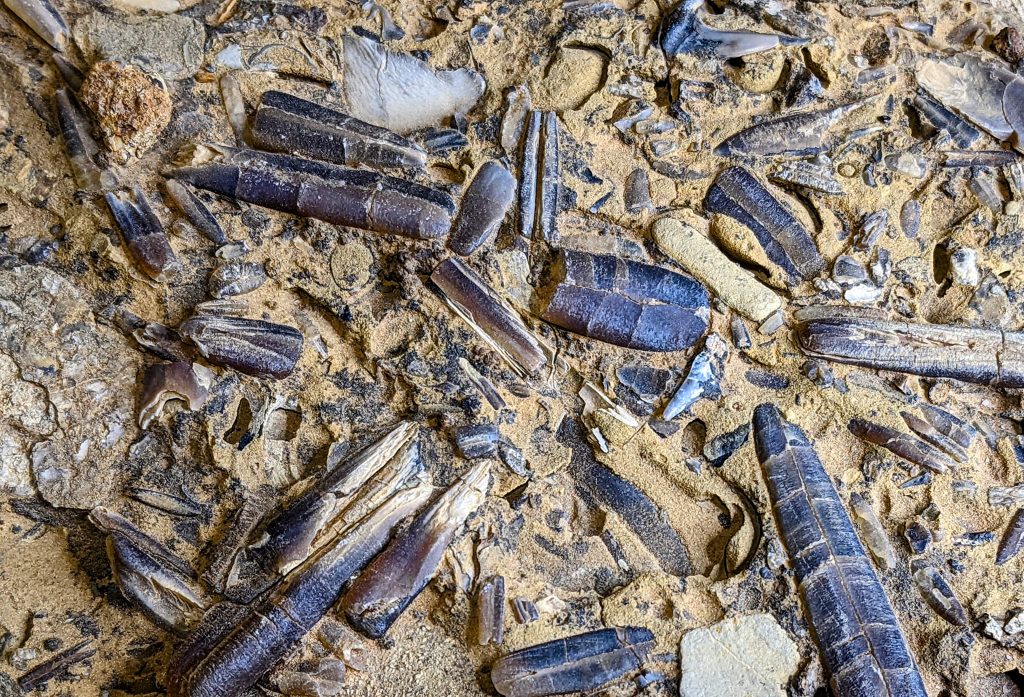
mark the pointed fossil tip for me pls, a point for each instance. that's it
(723, 149)
(772, 433)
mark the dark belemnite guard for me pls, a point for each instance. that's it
(483, 207)
(982, 356)
(497, 323)
(738, 194)
(578, 663)
(143, 234)
(626, 303)
(859, 637)
(398, 574)
(250, 346)
(286, 123)
(338, 195)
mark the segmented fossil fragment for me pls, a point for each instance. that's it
(794, 134)
(525, 610)
(699, 256)
(394, 579)
(626, 303)
(902, 444)
(872, 225)
(477, 441)
(250, 346)
(872, 532)
(286, 123)
(81, 148)
(528, 174)
(482, 209)
(684, 31)
(599, 486)
(983, 356)
(551, 179)
(490, 609)
(236, 278)
(704, 379)
(860, 640)
(195, 211)
(937, 592)
(369, 476)
(494, 321)
(354, 197)
(738, 194)
(926, 430)
(163, 382)
(579, 663)
(149, 574)
(808, 175)
(961, 132)
(42, 18)
(55, 666)
(234, 646)
(1013, 539)
(144, 235)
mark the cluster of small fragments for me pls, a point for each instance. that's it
(335, 324)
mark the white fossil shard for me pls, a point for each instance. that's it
(401, 92)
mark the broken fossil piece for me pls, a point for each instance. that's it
(704, 379)
(338, 195)
(82, 150)
(286, 123)
(497, 324)
(858, 635)
(250, 346)
(398, 574)
(235, 645)
(150, 575)
(626, 303)
(579, 663)
(130, 107)
(982, 356)
(163, 382)
(906, 446)
(483, 207)
(144, 234)
(400, 92)
(684, 31)
(236, 278)
(196, 211)
(748, 655)
(738, 194)
(795, 134)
